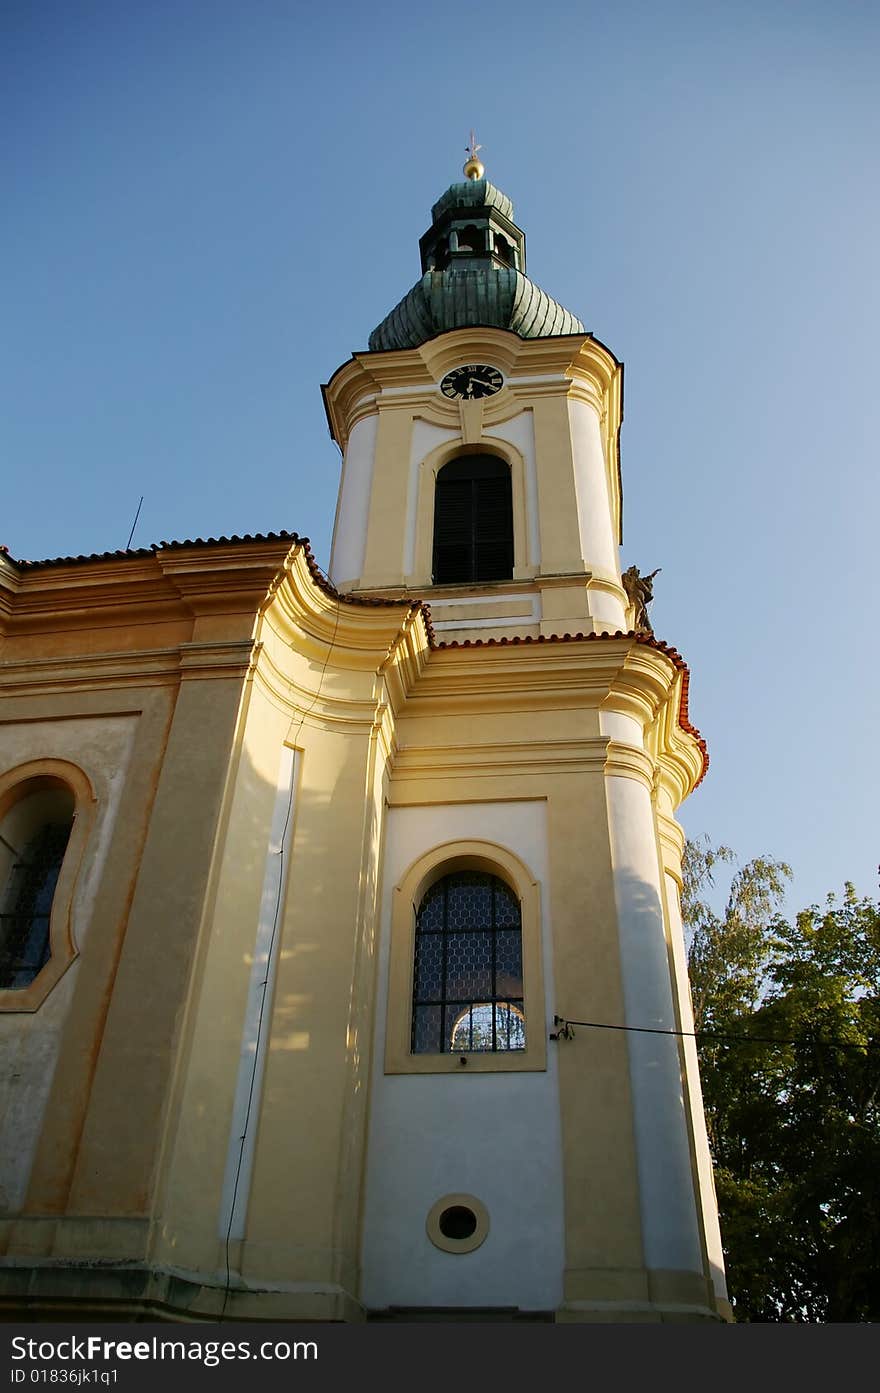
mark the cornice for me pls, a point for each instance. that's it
(8, 571)
(301, 694)
(677, 713)
(594, 364)
(561, 580)
(578, 362)
(226, 658)
(514, 677)
(633, 674)
(168, 582)
(379, 648)
(58, 599)
(271, 581)
(406, 660)
(517, 758)
(641, 685)
(10, 584)
(384, 733)
(650, 688)
(672, 840)
(680, 754)
(222, 578)
(359, 633)
(609, 586)
(105, 671)
(382, 646)
(628, 762)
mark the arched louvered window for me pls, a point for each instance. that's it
(468, 972)
(33, 839)
(473, 521)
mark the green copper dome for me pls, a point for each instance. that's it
(473, 264)
(472, 193)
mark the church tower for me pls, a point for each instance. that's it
(480, 440)
(539, 759)
(302, 881)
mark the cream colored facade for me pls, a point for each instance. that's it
(555, 424)
(211, 1107)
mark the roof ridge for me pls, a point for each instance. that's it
(155, 547)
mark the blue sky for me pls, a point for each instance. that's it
(209, 205)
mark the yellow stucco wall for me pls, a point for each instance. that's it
(176, 682)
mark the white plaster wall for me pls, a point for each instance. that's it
(495, 1136)
(607, 610)
(425, 438)
(350, 530)
(708, 1201)
(100, 745)
(668, 1208)
(520, 432)
(598, 543)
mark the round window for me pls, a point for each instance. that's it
(458, 1223)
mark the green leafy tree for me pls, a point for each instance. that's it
(790, 1066)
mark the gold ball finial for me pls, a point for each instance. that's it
(473, 168)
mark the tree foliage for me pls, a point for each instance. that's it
(792, 1103)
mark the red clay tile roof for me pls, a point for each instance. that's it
(291, 537)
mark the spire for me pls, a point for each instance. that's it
(473, 168)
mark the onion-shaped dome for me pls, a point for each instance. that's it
(473, 264)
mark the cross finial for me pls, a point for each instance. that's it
(473, 168)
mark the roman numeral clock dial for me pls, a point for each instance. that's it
(471, 381)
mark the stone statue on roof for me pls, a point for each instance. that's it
(640, 592)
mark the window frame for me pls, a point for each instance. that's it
(524, 567)
(15, 785)
(406, 898)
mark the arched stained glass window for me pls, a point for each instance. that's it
(473, 521)
(468, 977)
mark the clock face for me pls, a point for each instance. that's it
(472, 381)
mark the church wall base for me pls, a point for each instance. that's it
(653, 1295)
(74, 1291)
(80, 1291)
(613, 1313)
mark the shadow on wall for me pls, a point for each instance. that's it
(278, 1071)
(659, 1064)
